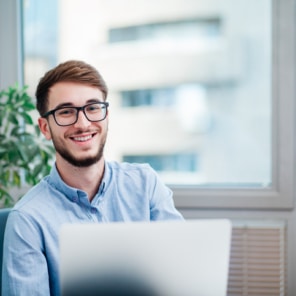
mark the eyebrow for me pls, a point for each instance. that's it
(69, 104)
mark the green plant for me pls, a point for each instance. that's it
(25, 156)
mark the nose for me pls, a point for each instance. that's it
(82, 121)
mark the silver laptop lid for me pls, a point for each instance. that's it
(145, 259)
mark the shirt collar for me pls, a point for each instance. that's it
(70, 192)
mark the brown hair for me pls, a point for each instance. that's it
(70, 71)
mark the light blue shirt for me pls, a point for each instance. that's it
(128, 192)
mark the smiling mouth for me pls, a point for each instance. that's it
(82, 139)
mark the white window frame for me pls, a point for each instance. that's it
(281, 194)
(11, 45)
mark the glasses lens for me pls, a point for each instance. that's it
(65, 116)
(95, 112)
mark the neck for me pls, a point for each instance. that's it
(87, 179)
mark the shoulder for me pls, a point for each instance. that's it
(34, 199)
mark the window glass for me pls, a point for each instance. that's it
(185, 28)
(189, 81)
(40, 38)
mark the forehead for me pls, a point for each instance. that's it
(71, 93)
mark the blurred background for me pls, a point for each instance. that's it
(190, 81)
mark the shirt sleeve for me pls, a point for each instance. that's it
(162, 205)
(24, 270)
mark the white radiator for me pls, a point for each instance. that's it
(258, 259)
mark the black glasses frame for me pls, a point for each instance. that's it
(82, 108)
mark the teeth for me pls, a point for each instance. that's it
(82, 139)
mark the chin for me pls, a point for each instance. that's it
(84, 159)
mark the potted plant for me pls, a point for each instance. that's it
(25, 156)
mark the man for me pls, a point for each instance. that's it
(82, 186)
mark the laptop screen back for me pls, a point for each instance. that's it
(145, 259)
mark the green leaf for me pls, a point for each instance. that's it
(13, 118)
(37, 169)
(15, 131)
(28, 119)
(16, 178)
(23, 151)
(28, 106)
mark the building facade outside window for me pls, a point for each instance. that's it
(193, 78)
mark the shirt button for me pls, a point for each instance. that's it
(75, 199)
(93, 210)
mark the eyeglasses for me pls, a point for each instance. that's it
(65, 116)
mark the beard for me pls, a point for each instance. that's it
(83, 162)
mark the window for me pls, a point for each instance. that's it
(169, 30)
(241, 125)
(178, 162)
(148, 97)
(40, 39)
(183, 164)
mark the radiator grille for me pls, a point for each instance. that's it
(258, 260)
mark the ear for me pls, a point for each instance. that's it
(44, 127)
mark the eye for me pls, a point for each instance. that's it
(65, 112)
(94, 108)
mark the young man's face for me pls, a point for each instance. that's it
(81, 143)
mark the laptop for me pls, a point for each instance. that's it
(171, 258)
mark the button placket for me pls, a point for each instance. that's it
(93, 210)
